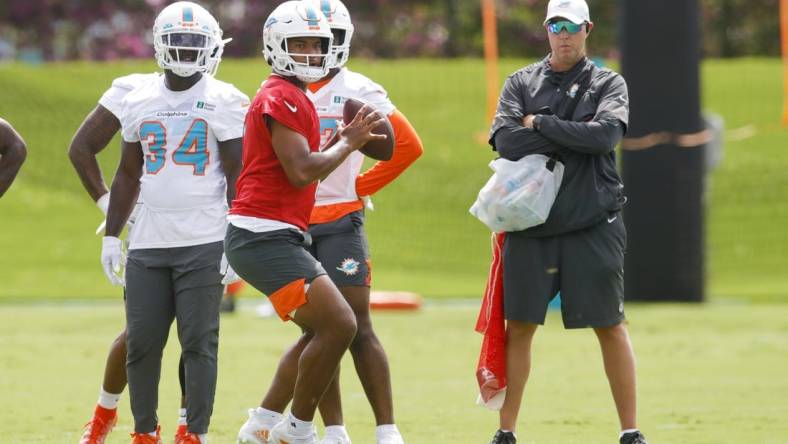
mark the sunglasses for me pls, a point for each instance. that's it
(557, 27)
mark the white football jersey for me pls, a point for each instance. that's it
(112, 99)
(183, 187)
(340, 185)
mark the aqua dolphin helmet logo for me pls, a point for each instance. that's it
(311, 16)
(269, 22)
(325, 7)
(188, 14)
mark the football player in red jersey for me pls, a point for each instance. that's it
(12, 155)
(336, 228)
(267, 231)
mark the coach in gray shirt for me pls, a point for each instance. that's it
(567, 108)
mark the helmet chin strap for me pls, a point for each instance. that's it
(183, 72)
(300, 77)
(305, 77)
(309, 77)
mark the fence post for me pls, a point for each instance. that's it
(490, 55)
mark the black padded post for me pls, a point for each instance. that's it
(662, 159)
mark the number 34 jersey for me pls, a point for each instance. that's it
(183, 188)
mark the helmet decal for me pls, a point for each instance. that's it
(188, 14)
(312, 18)
(325, 7)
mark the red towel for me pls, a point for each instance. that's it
(491, 369)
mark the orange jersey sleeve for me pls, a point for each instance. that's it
(407, 148)
(329, 213)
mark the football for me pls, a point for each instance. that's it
(376, 149)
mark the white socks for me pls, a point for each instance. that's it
(182, 421)
(624, 432)
(298, 427)
(107, 400)
(386, 429)
(337, 431)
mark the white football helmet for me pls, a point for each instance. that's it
(296, 18)
(187, 39)
(341, 27)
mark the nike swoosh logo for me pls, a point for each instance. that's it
(610, 220)
(291, 107)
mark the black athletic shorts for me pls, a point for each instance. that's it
(586, 266)
(341, 246)
(275, 262)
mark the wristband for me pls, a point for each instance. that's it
(103, 203)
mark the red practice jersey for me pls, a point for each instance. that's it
(263, 190)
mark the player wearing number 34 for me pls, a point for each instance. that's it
(181, 149)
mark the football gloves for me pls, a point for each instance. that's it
(227, 271)
(113, 260)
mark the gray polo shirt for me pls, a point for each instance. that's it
(585, 142)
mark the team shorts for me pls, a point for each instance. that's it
(341, 246)
(586, 266)
(275, 262)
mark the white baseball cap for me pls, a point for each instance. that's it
(575, 11)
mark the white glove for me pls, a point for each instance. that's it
(368, 202)
(113, 260)
(227, 271)
(103, 204)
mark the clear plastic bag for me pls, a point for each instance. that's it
(520, 194)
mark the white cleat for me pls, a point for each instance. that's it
(282, 434)
(257, 429)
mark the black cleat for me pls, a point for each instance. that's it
(633, 438)
(502, 437)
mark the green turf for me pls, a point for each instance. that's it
(707, 374)
(421, 235)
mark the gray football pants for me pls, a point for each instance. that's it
(163, 284)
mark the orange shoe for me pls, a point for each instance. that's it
(188, 438)
(97, 429)
(144, 438)
(180, 432)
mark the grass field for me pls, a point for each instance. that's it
(712, 373)
(708, 375)
(422, 237)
